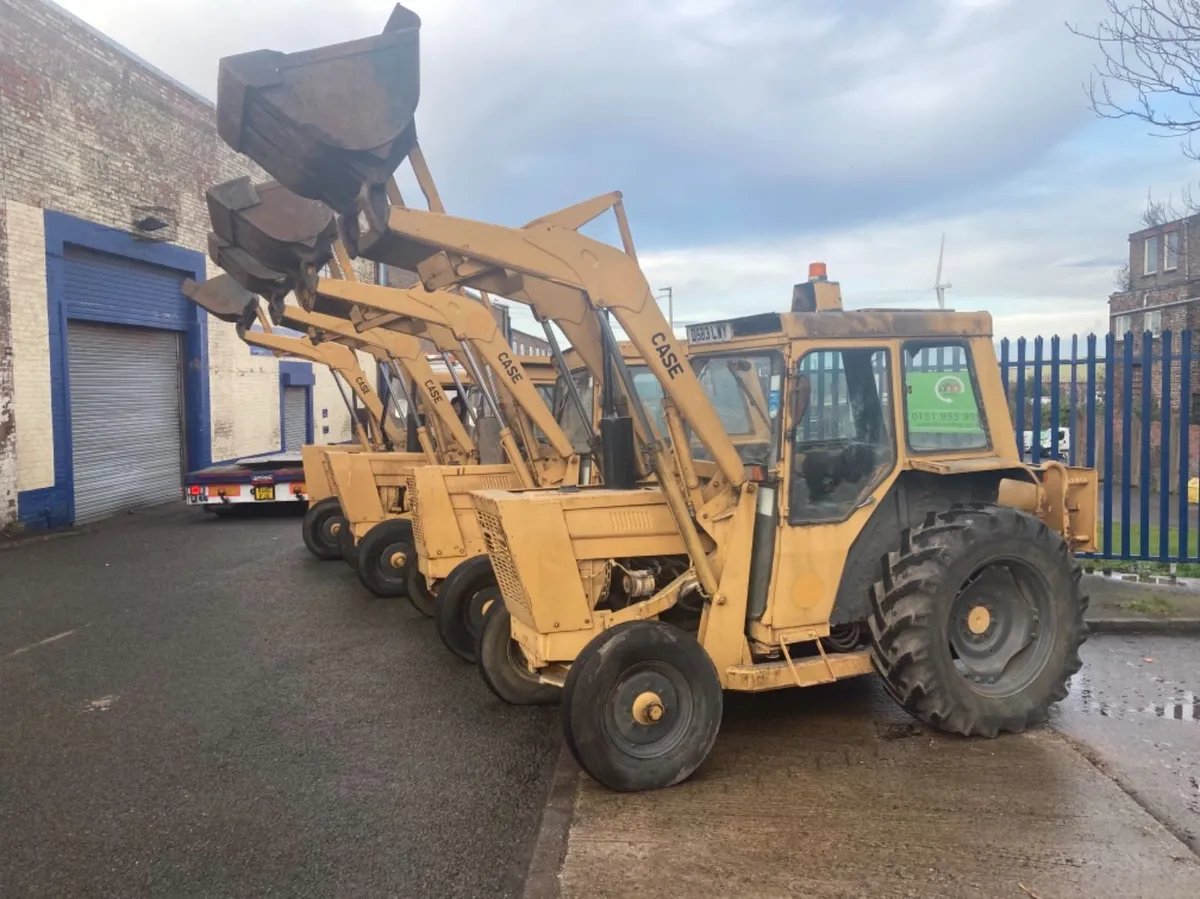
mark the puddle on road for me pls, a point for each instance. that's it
(1086, 697)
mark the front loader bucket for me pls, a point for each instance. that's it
(323, 122)
(224, 298)
(248, 271)
(282, 230)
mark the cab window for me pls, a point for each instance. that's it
(941, 402)
(546, 392)
(745, 390)
(567, 415)
(649, 391)
(842, 444)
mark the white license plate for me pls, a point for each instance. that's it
(709, 333)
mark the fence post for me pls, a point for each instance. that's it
(1164, 440)
(1185, 438)
(1110, 370)
(1037, 400)
(1126, 439)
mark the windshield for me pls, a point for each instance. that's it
(745, 391)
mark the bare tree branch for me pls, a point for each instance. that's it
(1152, 51)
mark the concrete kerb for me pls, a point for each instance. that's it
(22, 540)
(1144, 625)
(550, 847)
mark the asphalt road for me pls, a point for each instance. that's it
(191, 706)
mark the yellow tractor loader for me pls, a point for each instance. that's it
(757, 565)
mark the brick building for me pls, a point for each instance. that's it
(111, 383)
(1163, 295)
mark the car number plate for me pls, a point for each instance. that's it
(266, 493)
(708, 333)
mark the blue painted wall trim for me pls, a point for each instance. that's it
(296, 374)
(55, 506)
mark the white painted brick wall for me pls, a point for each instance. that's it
(243, 392)
(329, 410)
(31, 346)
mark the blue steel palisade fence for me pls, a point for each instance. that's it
(1127, 406)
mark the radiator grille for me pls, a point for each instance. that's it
(414, 508)
(502, 562)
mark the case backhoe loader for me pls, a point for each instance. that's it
(858, 537)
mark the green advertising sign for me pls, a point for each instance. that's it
(941, 402)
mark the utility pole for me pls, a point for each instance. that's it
(670, 306)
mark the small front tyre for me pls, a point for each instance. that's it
(503, 666)
(384, 557)
(419, 594)
(463, 599)
(641, 706)
(322, 523)
(348, 546)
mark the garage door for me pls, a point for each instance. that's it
(295, 417)
(125, 417)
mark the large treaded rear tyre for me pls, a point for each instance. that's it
(463, 598)
(322, 523)
(606, 720)
(378, 549)
(978, 619)
(501, 665)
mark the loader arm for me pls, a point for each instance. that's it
(404, 348)
(469, 321)
(608, 277)
(340, 359)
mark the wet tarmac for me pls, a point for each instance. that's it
(835, 792)
(1135, 711)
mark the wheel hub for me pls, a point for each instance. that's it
(979, 620)
(398, 559)
(335, 528)
(995, 625)
(648, 708)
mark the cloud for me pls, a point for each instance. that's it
(753, 136)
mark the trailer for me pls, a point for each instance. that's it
(271, 479)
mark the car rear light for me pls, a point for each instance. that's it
(194, 490)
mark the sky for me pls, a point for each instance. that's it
(752, 137)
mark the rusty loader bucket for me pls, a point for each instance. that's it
(223, 298)
(248, 271)
(280, 229)
(323, 122)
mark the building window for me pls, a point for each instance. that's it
(1122, 324)
(1154, 321)
(1150, 262)
(1171, 252)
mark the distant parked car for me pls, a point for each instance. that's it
(1047, 448)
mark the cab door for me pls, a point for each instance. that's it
(841, 456)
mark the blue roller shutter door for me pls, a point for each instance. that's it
(125, 383)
